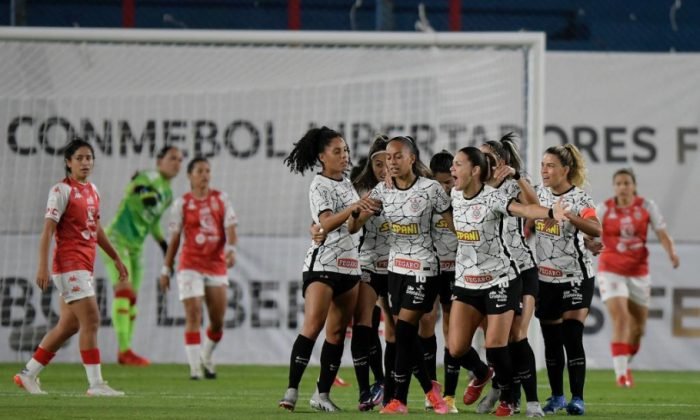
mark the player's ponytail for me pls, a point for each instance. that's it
(304, 155)
(514, 160)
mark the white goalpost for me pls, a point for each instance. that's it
(242, 98)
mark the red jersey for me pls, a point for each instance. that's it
(203, 222)
(625, 236)
(76, 209)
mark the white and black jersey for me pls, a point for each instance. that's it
(561, 254)
(374, 247)
(338, 253)
(410, 213)
(483, 258)
(520, 251)
(445, 243)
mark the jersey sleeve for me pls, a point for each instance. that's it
(176, 217)
(600, 211)
(230, 218)
(441, 201)
(585, 207)
(321, 198)
(657, 220)
(57, 202)
(500, 201)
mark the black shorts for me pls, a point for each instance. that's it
(556, 298)
(340, 283)
(378, 282)
(407, 292)
(446, 280)
(492, 301)
(530, 281)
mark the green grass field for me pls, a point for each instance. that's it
(251, 392)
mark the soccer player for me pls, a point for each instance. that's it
(147, 197)
(207, 221)
(332, 269)
(623, 266)
(374, 257)
(413, 266)
(73, 215)
(508, 179)
(446, 247)
(566, 274)
(486, 282)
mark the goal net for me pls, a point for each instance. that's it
(242, 99)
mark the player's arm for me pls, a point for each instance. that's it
(231, 241)
(527, 194)
(586, 221)
(169, 260)
(42, 272)
(668, 245)
(104, 243)
(157, 233)
(447, 217)
(366, 208)
(535, 211)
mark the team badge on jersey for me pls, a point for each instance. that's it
(417, 204)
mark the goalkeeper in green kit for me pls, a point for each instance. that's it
(148, 195)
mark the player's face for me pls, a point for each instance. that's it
(200, 175)
(169, 165)
(335, 157)
(552, 171)
(399, 159)
(446, 181)
(379, 166)
(81, 163)
(624, 186)
(462, 171)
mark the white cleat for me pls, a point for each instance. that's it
(534, 409)
(103, 390)
(488, 403)
(29, 383)
(289, 401)
(322, 402)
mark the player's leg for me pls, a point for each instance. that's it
(121, 302)
(615, 294)
(362, 340)
(136, 277)
(638, 306)
(216, 300)
(190, 285)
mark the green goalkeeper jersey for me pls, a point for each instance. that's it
(148, 195)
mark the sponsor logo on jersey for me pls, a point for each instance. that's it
(385, 227)
(382, 264)
(441, 224)
(347, 263)
(469, 236)
(51, 212)
(552, 230)
(550, 272)
(447, 265)
(408, 264)
(75, 289)
(478, 279)
(409, 229)
(72, 279)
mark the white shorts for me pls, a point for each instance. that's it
(191, 283)
(637, 289)
(74, 285)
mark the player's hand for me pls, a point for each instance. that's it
(318, 235)
(502, 173)
(42, 278)
(388, 180)
(675, 261)
(592, 245)
(561, 212)
(164, 282)
(369, 205)
(230, 258)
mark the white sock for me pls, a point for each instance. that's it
(208, 348)
(620, 365)
(193, 351)
(94, 374)
(33, 367)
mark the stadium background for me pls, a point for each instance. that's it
(621, 83)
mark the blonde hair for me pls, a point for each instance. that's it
(570, 156)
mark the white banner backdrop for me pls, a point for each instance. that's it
(266, 310)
